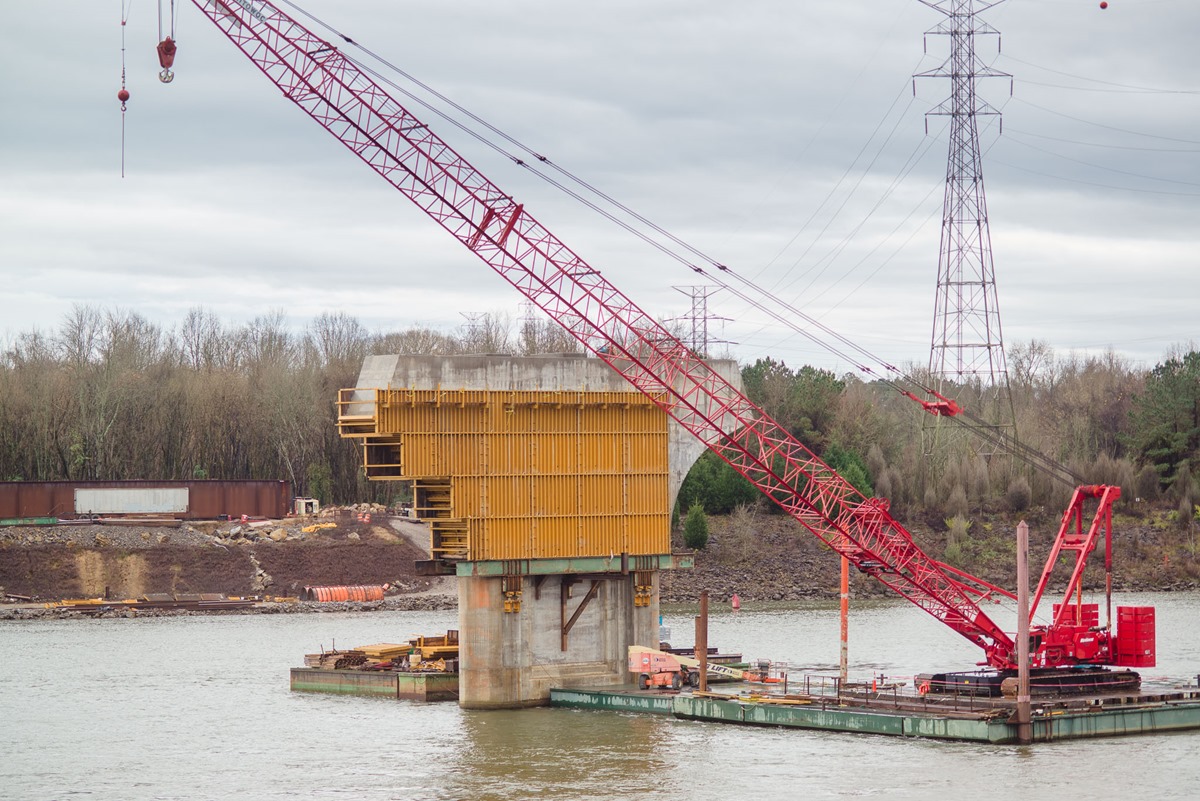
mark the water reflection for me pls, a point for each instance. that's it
(549, 753)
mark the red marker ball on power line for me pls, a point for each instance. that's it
(122, 95)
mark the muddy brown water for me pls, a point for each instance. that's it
(199, 708)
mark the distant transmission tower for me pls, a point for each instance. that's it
(472, 331)
(696, 335)
(966, 357)
(535, 331)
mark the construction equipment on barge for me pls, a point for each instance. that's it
(655, 668)
(424, 668)
(420, 653)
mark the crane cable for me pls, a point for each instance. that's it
(891, 376)
(170, 33)
(123, 94)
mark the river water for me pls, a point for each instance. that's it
(199, 708)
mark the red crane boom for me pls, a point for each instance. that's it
(322, 81)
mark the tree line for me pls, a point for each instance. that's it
(109, 395)
(1105, 419)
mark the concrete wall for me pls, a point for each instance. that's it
(511, 659)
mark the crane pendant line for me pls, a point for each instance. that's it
(351, 106)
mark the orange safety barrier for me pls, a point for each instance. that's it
(348, 592)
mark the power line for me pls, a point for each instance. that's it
(1104, 144)
(1102, 166)
(1126, 86)
(1080, 181)
(1108, 127)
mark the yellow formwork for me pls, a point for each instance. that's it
(528, 474)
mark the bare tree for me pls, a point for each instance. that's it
(487, 333)
(416, 341)
(540, 335)
(266, 342)
(200, 340)
(338, 339)
(80, 334)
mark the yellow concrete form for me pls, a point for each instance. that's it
(521, 474)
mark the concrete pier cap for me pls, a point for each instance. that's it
(575, 619)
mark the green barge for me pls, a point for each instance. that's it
(900, 715)
(424, 686)
(422, 669)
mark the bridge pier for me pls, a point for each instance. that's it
(512, 659)
(547, 484)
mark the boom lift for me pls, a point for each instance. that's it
(656, 668)
(315, 75)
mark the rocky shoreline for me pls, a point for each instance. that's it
(397, 603)
(763, 557)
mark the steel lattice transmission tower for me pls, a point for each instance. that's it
(696, 335)
(967, 350)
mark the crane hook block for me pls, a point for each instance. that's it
(166, 58)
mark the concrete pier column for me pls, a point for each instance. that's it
(512, 659)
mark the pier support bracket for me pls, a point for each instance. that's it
(564, 594)
(511, 588)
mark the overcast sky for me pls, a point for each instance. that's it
(783, 139)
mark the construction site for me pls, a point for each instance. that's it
(559, 601)
(548, 484)
(545, 484)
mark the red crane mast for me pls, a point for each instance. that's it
(348, 103)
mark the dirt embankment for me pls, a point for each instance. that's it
(759, 555)
(278, 558)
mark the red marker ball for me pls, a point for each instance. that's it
(1104, 5)
(122, 95)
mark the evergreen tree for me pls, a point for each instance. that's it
(695, 528)
(851, 467)
(716, 486)
(1166, 418)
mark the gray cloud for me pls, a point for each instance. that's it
(775, 137)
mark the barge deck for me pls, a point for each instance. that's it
(895, 713)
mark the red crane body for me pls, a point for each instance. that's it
(318, 78)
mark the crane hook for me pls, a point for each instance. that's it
(166, 58)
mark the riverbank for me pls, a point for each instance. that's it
(236, 558)
(766, 556)
(761, 556)
(397, 603)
